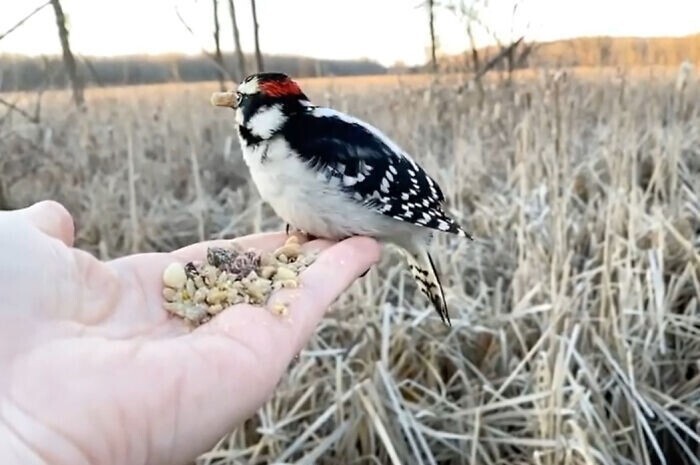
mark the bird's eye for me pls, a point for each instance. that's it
(239, 97)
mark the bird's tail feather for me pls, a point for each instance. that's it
(424, 272)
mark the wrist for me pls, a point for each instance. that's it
(24, 440)
(14, 451)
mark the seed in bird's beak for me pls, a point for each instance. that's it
(224, 99)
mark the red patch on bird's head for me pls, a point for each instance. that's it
(283, 87)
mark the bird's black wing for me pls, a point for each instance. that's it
(369, 167)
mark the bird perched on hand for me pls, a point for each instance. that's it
(333, 176)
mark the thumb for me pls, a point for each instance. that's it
(51, 218)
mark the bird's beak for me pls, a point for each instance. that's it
(224, 99)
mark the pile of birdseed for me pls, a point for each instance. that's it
(197, 291)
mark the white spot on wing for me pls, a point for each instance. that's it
(384, 187)
(349, 180)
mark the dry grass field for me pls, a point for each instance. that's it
(576, 312)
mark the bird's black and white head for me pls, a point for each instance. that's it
(263, 103)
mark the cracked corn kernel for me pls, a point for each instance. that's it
(280, 309)
(290, 250)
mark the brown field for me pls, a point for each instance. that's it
(576, 313)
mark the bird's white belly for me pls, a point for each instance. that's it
(309, 202)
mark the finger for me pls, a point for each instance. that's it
(320, 285)
(335, 269)
(52, 219)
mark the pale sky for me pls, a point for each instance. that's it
(383, 30)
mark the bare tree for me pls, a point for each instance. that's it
(513, 52)
(258, 55)
(431, 24)
(218, 57)
(473, 46)
(68, 59)
(237, 40)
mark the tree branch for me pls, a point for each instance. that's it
(25, 19)
(220, 68)
(505, 51)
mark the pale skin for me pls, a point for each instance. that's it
(93, 371)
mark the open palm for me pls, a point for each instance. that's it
(92, 370)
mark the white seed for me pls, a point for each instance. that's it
(284, 273)
(174, 275)
(210, 274)
(190, 287)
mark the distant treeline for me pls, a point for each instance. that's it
(618, 51)
(591, 51)
(27, 73)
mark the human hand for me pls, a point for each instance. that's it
(92, 370)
